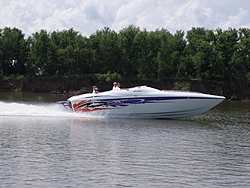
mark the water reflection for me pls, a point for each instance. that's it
(109, 152)
(227, 113)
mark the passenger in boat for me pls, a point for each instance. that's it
(115, 87)
(119, 86)
(95, 89)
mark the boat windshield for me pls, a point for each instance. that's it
(143, 89)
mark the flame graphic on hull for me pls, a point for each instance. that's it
(89, 105)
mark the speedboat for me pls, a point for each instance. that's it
(143, 102)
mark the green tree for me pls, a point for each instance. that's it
(66, 52)
(40, 57)
(83, 56)
(172, 47)
(226, 46)
(13, 51)
(129, 51)
(244, 53)
(106, 52)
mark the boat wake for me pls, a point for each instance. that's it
(36, 110)
(45, 110)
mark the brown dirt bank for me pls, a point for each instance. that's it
(83, 84)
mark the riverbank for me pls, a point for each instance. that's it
(72, 85)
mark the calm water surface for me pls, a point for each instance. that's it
(43, 146)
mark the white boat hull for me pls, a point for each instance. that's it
(144, 102)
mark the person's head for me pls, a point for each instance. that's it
(95, 88)
(118, 84)
(115, 84)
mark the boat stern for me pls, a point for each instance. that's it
(66, 104)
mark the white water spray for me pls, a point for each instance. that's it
(36, 110)
(47, 110)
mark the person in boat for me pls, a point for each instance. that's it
(119, 86)
(95, 89)
(115, 87)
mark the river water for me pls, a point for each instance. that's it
(43, 146)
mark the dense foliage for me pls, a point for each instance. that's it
(220, 55)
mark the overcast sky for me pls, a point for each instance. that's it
(88, 16)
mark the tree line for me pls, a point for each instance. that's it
(203, 54)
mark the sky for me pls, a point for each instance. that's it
(88, 16)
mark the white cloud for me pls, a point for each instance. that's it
(235, 20)
(90, 15)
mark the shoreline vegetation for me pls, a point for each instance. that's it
(203, 60)
(74, 85)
